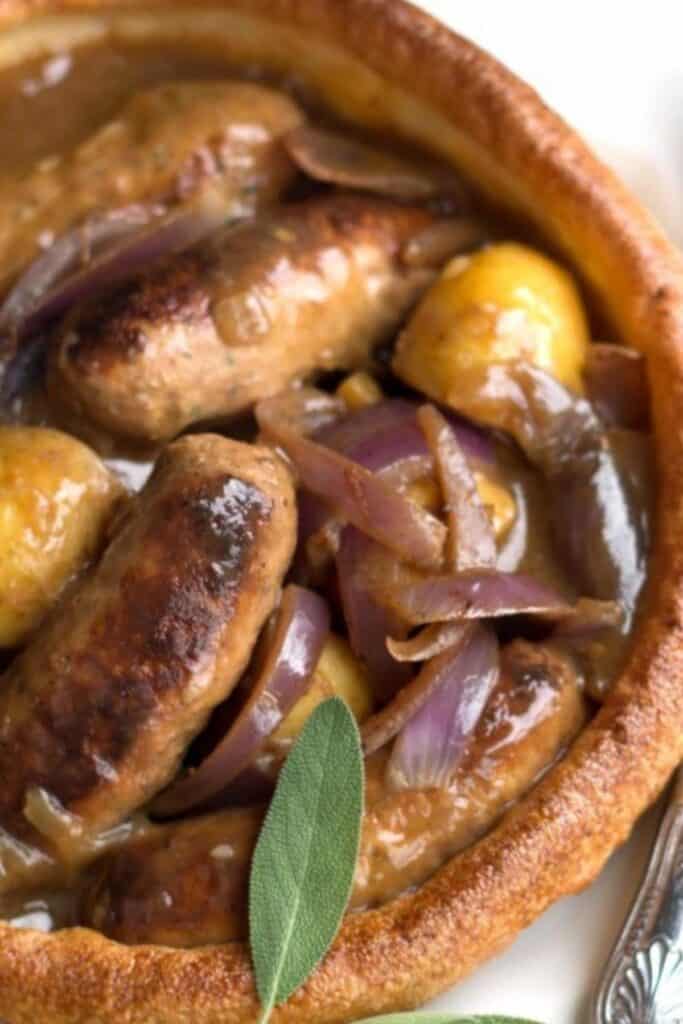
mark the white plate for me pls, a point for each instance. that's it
(613, 70)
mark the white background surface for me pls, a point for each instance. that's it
(614, 70)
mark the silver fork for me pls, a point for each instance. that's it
(643, 978)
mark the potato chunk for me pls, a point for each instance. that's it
(338, 674)
(55, 499)
(503, 303)
(359, 390)
(498, 501)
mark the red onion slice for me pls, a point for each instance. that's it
(304, 410)
(68, 254)
(384, 438)
(136, 254)
(470, 543)
(596, 639)
(597, 479)
(368, 624)
(340, 160)
(254, 784)
(387, 723)
(387, 434)
(315, 521)
(550, 423)
(406, 472)
(379, 436)
(589, 615)
(617, 386)
(602, 509)
(430, 641)
(295, 646)
(433, 741)
(359, 496)
(439, 242)
(475, 594)
(322, 546)
(21, 366)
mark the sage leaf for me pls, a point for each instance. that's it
(305, 857)
(425, 1017)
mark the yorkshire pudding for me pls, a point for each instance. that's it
(386, 66)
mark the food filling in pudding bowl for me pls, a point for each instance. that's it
(296, 404)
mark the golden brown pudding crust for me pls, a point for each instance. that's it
(400, 70)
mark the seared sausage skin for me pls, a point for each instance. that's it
(309, 287)
(186, 884)
(98, 711)
(167, 145)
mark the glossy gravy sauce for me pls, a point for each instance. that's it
(48, 105)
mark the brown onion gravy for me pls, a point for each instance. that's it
(49, 104)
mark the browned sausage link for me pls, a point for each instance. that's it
(98, 711)
(167, 144)
(186, 884)
(311, 286)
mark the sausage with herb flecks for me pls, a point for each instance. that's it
(96, 714)
(309, 287)
(167, 145)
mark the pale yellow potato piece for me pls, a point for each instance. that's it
(338, 674)
(359, 389)
(498, 501)
(504, 303)
(426, 493)
(55, 499)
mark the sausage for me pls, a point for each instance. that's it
(182, 885)
(309, 287)
(96, 714)
(186, 884)
(167, 144)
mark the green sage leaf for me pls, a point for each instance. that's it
(425, 1017)
(305, 857)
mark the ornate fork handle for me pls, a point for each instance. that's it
(643, 979)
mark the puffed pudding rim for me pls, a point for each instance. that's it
(387, 65)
